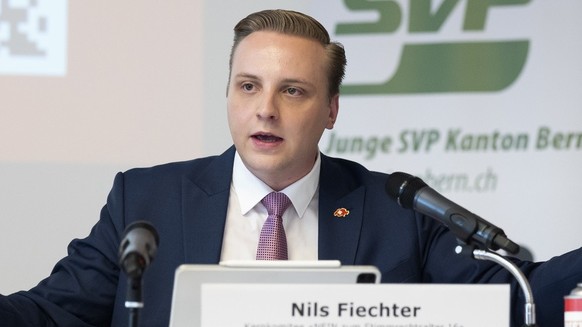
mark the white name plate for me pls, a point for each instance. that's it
(354, 305)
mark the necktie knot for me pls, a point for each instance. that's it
(276, 203)
(272, 241)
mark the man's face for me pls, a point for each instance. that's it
(279, 105)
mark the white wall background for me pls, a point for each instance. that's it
(145, 84)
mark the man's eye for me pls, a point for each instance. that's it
(248, 87)
(293, 91)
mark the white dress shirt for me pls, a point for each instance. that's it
(246, 215)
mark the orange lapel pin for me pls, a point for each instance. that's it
(341, 212)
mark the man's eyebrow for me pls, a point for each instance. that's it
(297, 81)
(246, 75)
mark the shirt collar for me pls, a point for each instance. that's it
(251, 190)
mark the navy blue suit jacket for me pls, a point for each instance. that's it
(187, 203)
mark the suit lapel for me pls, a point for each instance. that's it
(339, 236)
(205, 202)
(204, 206)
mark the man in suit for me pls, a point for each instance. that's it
(283, 92)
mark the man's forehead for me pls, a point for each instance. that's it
(263, 39)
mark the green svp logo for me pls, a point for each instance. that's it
(478, 66)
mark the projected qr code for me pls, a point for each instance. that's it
(33, 37)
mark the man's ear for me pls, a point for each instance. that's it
(333, 111)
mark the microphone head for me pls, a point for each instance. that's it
(402, 187)
(138, 248)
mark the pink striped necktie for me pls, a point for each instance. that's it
(273, 242)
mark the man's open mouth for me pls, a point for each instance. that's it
(267, 138)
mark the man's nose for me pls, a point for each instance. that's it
(268, 106)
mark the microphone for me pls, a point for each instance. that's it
(411, 192)
(138, 248)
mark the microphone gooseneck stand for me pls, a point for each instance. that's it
(479, 254)
(472, 232)
(134, 301)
